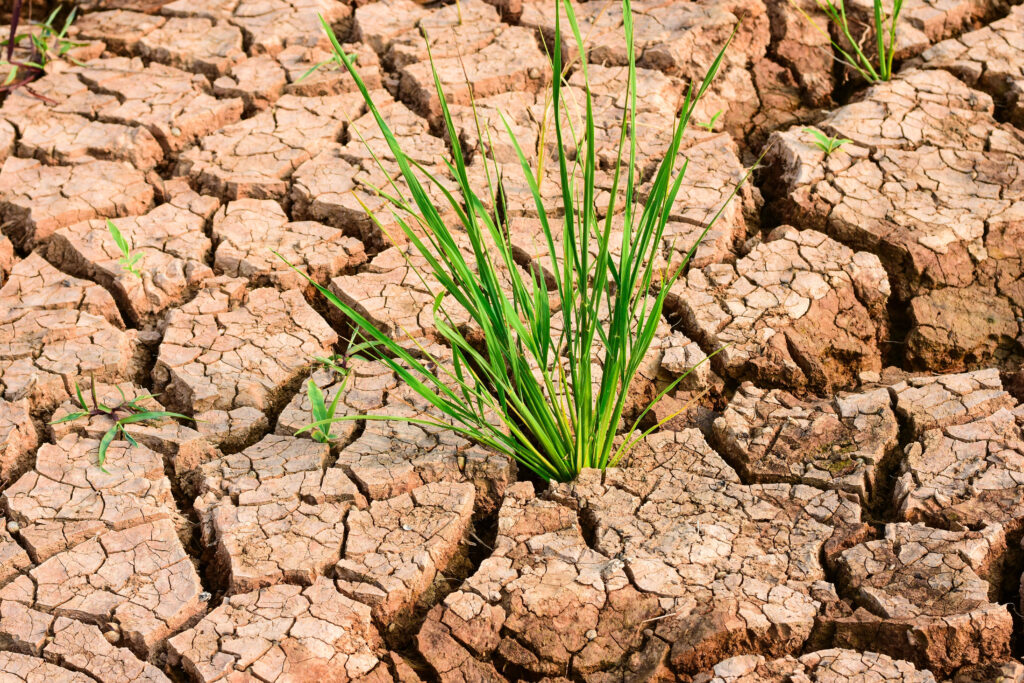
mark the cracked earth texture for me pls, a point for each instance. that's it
(841, 497)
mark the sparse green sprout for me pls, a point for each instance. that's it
(710, 125)
(851, 53)
(514, 382)
(825, 143)
(128, 259)
(124, 413)
(323, 414)
(46, 43)
(319, 65)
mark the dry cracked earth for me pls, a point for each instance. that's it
(842, 501)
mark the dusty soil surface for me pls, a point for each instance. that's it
(842, 499)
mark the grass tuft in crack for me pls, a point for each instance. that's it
(851, 51)
(124, 413)
(525, 390)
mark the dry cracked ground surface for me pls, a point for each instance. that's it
(842, 500)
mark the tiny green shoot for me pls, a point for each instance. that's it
(124, 413)
(128, 260)
(710, 125)
(825, 143)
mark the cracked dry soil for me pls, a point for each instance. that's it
(843, 502)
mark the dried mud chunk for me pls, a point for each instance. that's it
(140, 578)
(194, 44)
(774, 436)
(931, 183)
(68, 499)
(668, 36)
(394, 457)
(925, 586)
(823, 666)
(8, 136)
(121, 30)
(988, 59)
(255, 157)
(396, 548)
(232, 430)
(274, 512)
(965, 476)
(364, 390)
(541, 600)
(271, 25)
(18, 439)
(800, 310)
(330, 78)
(258, 81)
(171, 241)
(13, 561)
(36, 200)
(801, 48)
(55, 328)
(284, 633)
(7, 258)
(736, 567)
(174, 105)
(217, 355)
(511, 62)
(73, 139)
(82, 647)
(18, 667)
(683, 451)
(249, 231)
(947, 400)
(954, 329)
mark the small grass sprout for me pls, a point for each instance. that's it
(852, 53)
(709, 125)
(45, 43)
(125, 413)
(826, 143)
(552, 397)
(323, 414)
(128, 260)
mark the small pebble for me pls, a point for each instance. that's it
(12, 527)
(406, 527)
(591, 634)
(204, 596)
(534, 73)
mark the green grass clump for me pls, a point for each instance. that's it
(872, 68)
(527, 388)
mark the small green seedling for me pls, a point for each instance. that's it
(124, 413)
(331, 61)
(825, 143)
(322, 413)
(128, 259)
(709, 125)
